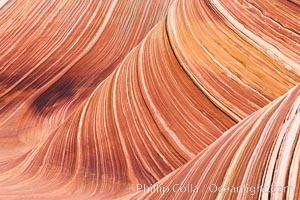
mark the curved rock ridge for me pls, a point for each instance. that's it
(237, 74)
(98, 97)
(54, 53)
(256, 159)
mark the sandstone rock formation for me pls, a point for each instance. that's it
(99, 97)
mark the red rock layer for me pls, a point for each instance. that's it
(261, 152)
(54, 53)
(88, 114)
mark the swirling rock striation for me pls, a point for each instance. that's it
(54, 53)
(261, 152)
(97, 97)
